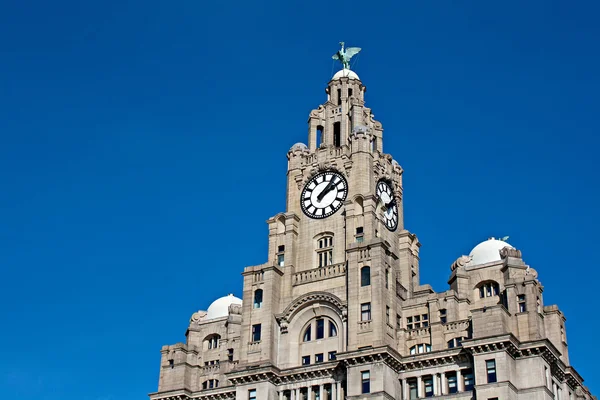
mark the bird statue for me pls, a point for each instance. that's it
(344, 55)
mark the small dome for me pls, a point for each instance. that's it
(487, 252)
(220, 307)
(299, 146)
(345, 73)
(395, 163)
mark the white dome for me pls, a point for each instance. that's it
(487, 252)
(345, 73)
(299, 146)
(220, 307)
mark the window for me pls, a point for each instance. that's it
(305, 360)
(281, 256)
(365, 276)
(443, 318)
(420, 348)
(319, 358)
(316, 393)
(522, 303)
(258, 298)
(488, 289)
(210, 384)
(468, 379)
(412, 388)
(365, 312)
(456, 342)
(213, 341)
(366, 381)
(325, 251)
(490, 366)
(409, 323)
(252, 394)
(546, 376)
(349, 92)
(332, 355)
(320, 328)
(339, 97)
(230, 354)
(452, 383)
(387, 314)
(319, 138)
(307, 334)
(337, 134)
(332, 329)
(359, 235)
(256, 333)
(425, 319)
(428, 383)
(398, 321)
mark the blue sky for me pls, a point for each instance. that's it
(137, 136)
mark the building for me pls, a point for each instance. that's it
(338, 310)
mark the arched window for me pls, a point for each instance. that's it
(365, 276)
(258, 298)
(307, 334)
(420, 348)
(332, 329)
(325, 251)
(488, 289)
(212, 341)
(210, 384)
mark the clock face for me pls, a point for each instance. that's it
(324, 194)
(386, 195)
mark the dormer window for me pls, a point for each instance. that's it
(325, 251)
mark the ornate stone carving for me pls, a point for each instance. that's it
(460, 262)
(235, 309)
(198, 316)
(309, 298)
(283, 325)
(510, 252)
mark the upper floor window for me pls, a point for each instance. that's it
(307, 337)
(256, 331)
(443, 316)
(522, 303)
(488, 289)
(428, 383)
(319, 325)
(359, 237)
(281, 256)
(387, 278)
(469, 380)
(456, 342)
(365, 312)
(210, 384)
(413, 388)
(490, 366)
(212, 341)
(417, 321)
(230, 354)
(366, 381)
(320, 328)
(420, 348)
(325, 251)
(365, 276)
(332, 329)
(452, 382)
(252, 394)
(258, 298)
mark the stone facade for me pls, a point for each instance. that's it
(338, 310)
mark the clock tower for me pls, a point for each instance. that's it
(337, 310)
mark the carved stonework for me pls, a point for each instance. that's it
(510, 252)
(460, 262)
(307, 299)
(283, 326)
(198, 316)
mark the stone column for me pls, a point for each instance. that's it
(436, 387)
(309, 392)
(333, 391)
(321, 392)
(281, 395)
(339, 391)
(404, 389)
(443, 384)
(459, 381)
(420, 391)
(293, 394)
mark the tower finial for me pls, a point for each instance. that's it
(344, 55)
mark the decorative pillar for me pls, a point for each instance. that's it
(459, 381)
(309, 392)
(281, 395)
(339, 391)
(420, 387)
(404, 389)
(434, 378)
(333, 391)
(443, 384)
(293, 394)
(321, 392)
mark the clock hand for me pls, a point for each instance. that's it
(327, 189)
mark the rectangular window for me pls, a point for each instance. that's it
(349, 92)
(443, 318)
(425, 318)
(305, 360)
(409, 323)
(452, 383)
(230, 354)
(319, 358)
(256, 333)
(417, 319)
(490, 366)
(398, 321)
(387, 314)
(337, 134)
(252, 394)
(412, 389)
(366, 381)
(547, 376)
(281, 259)
(365, 312)
(428, 383)
(522, 303)
(468, 379)
(320, 328)
(332, 355)
(339, 97)
(359, 235)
